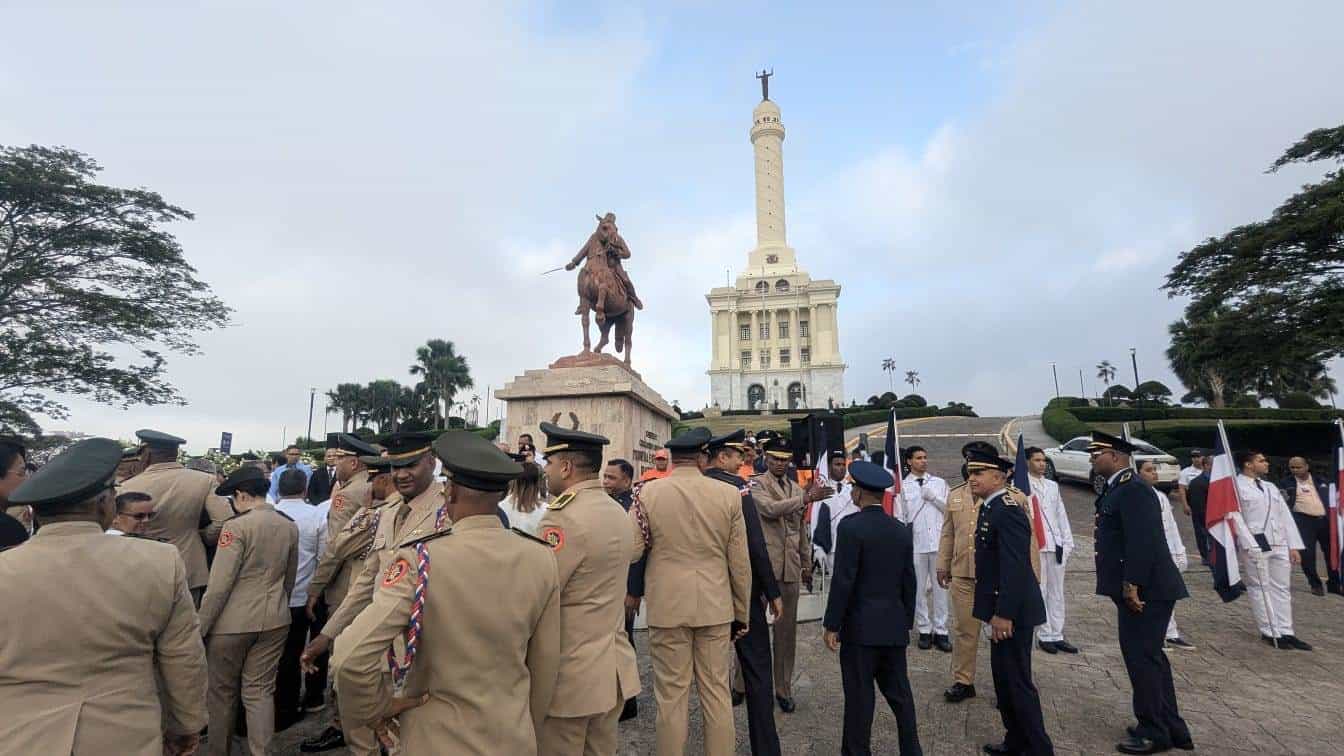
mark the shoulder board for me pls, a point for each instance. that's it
(530, 537)
(561, 501)
(423, 539)
(147, 538)
(240, 514)
(1008, 499)
(1125, 477)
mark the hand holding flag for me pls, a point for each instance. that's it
(1022, 482)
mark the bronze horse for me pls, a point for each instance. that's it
(604, 289)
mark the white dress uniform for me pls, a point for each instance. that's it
(1177, 549)
(1268, 574)
(1057, 531)
(924, 502)
(841, 505)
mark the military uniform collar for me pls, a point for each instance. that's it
(997, 494)
(74, 527)
(584, 485)
(686, 470)
(164, 466)
(478, 522)
(428, 499)
(724, 475)
(1116, 478)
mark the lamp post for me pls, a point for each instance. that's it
(1082, 391)
(312, 398)
(1134, 360)
(1055, 373)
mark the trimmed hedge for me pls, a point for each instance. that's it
(1130, 414)
(1063, 424)
(1274, 439)
(868, 417)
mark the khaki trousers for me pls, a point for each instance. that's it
(593, 735)
(785, 634)
(243, 663)
(680, 654)
(962, 592)
(361, 741)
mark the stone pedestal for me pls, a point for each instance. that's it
(602, 395)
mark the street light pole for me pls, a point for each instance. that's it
(1055, 373)
(1134, 360)
(1082, 391)
(312, 398)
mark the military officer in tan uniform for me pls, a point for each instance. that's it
(594, 546)
(80, 660)
(955, 570)
(488, 636)
(187, 512)
(245, 612)
(698, 580)
(417, 512)
(782, 504)
(351, 501)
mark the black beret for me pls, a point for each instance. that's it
(979, 460)
(158, 438)
(691, 440)
(736, 440)
(474, 462)
(72, 476)
(238, 477)
(1102, 441)
(405, 449)
(565, 439)
(869, 476)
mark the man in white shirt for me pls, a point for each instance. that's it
(924, 502)
(1054, 553)
(1188, 474)
(832, 510)
(1269, 555)
(312, 542)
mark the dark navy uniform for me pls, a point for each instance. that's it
(1006, 587)
(1131, 548)
(872, 607)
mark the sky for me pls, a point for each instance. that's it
(995, 186)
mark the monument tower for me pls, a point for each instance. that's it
(775, 331)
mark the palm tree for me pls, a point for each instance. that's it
(345, 399)
(444, 372)
(912, 378)
(1106, 372)
(889, 365)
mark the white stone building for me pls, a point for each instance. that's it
(775, 332)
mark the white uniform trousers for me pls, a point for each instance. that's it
(1172, 631)
(1270, 586)
(927, 590)
(1052, 592)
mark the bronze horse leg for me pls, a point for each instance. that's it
(583, 311)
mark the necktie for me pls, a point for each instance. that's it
(1259, 485)
(402, 511)
(823, 535)
(920, 481)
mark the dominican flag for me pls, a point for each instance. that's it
(1336, 503)
(821, 459)
(1223, 510)
(1022, 482)
(893, 463)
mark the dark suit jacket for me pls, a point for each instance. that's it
(763, 583)
(634, 579)
(319, 486)
(1131, 544)
(1198, 492)
(1005, 584)
(872, 600)
(1289, 487)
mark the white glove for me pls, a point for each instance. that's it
(928, 493)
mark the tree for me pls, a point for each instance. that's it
(1105, 372)
(914, 400)
(347, 400)
(873, 401)
(85, 266)
(889, 365)
(1155, 390)
(444, 372)
(1118, 391)
(912, 378)
(1285, 273)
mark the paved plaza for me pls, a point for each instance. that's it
(1238, 695)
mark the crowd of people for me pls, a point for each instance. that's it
(444, 594)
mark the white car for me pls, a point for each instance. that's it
(1071, 461)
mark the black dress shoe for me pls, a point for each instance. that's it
(1338, 591)
(925, 641)
(1274, 642)
(738, 698)
(1047, 646)
(1318, 590)
(285, 721)
(959, 692)
(1132, 744)
(329, 738)
(1184, 745)
(631, 709)
(943, 643)
(1295, 642)
(1066, 647)
(786, 704)
(997, 749)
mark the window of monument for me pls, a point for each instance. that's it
(804, 356)
(762, 287)
(784, 358)
(746, 359)
(784, 329)
(802, 329)
(744, 331)
(781, 285)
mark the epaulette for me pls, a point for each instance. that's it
(962, 484)
(1124, 477)
(147, 538)
(1008, 499)
(530, 537)
(282, 514)
(560, 501)
(423, 539)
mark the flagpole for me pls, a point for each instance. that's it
(1259, 565)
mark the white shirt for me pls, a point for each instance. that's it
(1174, 543)
(1053, 515)
(1188, 474)
(113, 531)
(312, 522)
(528, 522)
(922, 508)
(1264, 511)
(841, 505)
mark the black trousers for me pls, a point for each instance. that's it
(753, 656)
(288, 677)
(1315, 532)
(860, 667)
(630, 632)
(315, 684)
(1154, 698)
(1201, 530)
(1019, 701)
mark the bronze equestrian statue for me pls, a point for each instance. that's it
(604, 288)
